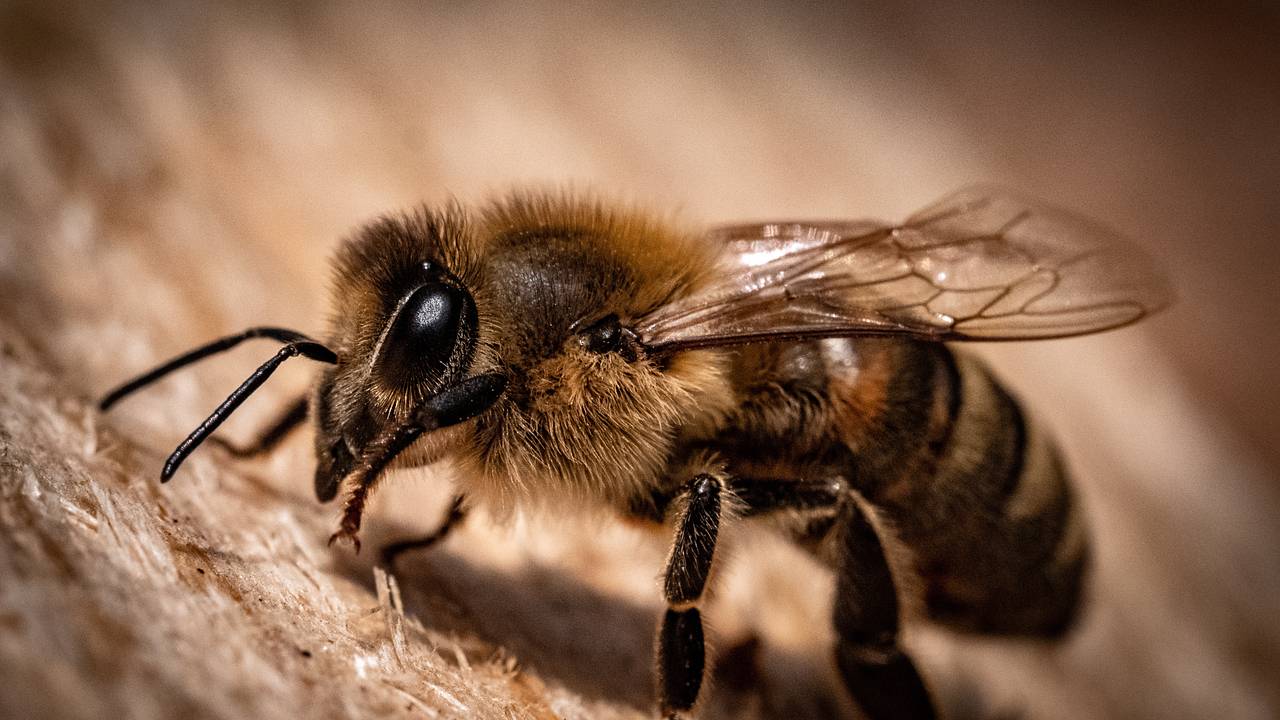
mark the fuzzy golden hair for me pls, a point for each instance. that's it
(573, 423)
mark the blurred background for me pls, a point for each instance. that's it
(174, 171)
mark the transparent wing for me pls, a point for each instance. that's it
(981, 264)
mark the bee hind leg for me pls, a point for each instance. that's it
(879, 675)
(881, 678)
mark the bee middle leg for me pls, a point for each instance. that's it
(681, 644)
(681, 647)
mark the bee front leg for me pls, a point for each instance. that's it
(453, 517)
(681, 649)
(880, 676)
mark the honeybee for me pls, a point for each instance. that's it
(564, 351)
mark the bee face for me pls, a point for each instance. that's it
(541, 289)
(406, 322)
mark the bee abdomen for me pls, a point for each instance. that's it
(980, 498)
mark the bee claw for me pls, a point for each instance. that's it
(347, 535)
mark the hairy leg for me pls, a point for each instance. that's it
(881, 677)
(453, 517)
(681, 647)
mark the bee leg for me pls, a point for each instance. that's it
(880, 676)
(453, 518)
(764, 495)
(681, 650)
(271, 437)
(452, 405)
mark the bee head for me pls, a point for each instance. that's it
(405, 326)
(539, 290)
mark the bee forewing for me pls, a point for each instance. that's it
(981, 264)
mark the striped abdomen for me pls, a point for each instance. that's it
(976, 492)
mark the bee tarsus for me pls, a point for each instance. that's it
(681, 661)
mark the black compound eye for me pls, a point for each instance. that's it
(425, 333)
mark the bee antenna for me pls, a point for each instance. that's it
(306, 348)
(221, 345)
(454, 404)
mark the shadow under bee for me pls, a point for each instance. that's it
(589, 641)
